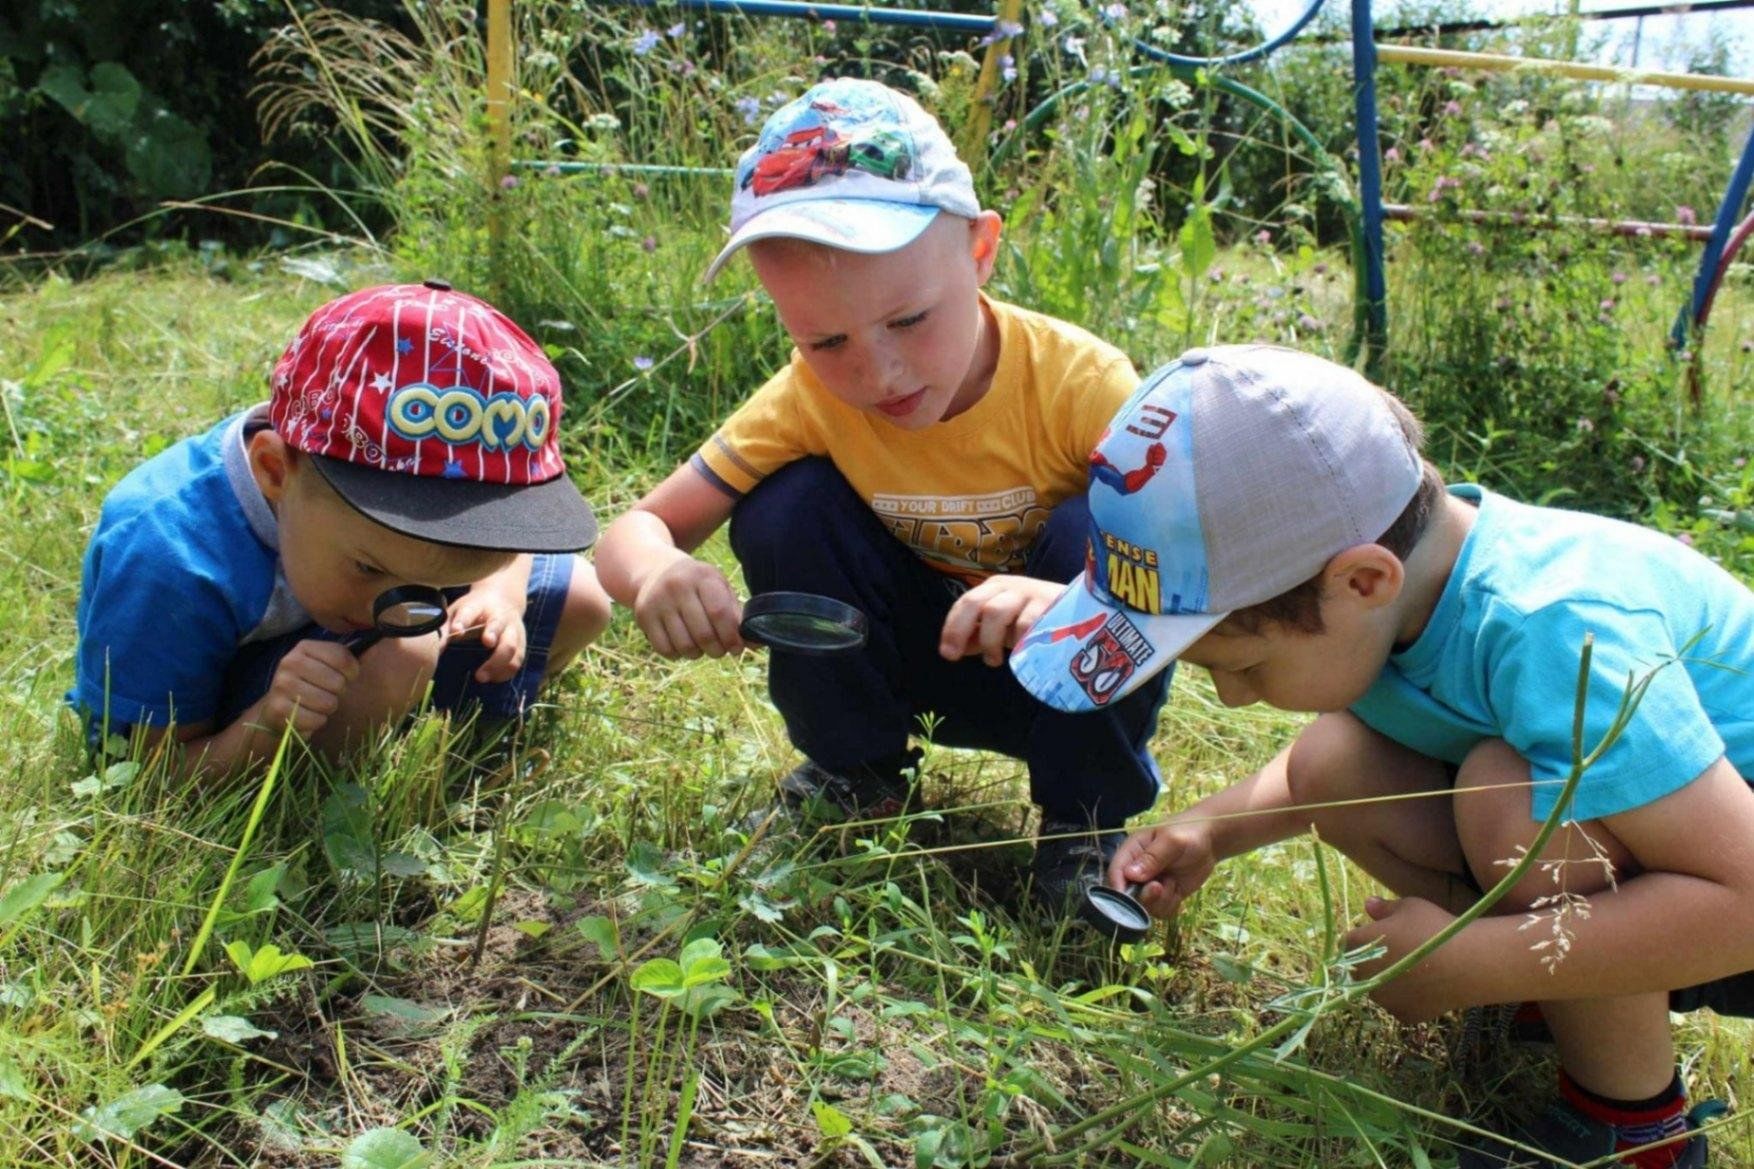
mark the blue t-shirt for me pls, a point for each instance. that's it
(1500, 656)
(182, 570)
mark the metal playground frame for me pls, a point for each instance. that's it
(1364, 211)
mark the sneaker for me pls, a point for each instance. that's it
(1070, 857)
(1566, 1138)
(869, 791)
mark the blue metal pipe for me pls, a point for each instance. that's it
(1375, 305)
(1727, 213)
(1237, 58)
(852, 13)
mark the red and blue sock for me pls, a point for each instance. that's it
(1637, 1122)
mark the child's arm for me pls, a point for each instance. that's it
(1172, 859)
(307, 688)
(685, 606)
(1685, 917)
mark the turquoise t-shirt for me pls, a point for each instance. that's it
(1500, 656)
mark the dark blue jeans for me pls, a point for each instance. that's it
(805, 528)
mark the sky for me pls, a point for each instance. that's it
(1661, 44)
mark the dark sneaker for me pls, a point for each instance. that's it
(1069, 859)
(1566, 1138)
(871, 791)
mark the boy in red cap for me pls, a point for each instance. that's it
(411, 438)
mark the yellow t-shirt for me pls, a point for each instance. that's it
(969, 494)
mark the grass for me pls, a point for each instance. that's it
(588, 958)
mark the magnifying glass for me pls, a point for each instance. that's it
(803, 623)
(404, 611)
(1122, 913)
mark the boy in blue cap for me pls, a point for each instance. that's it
(1300, 549)
(921, 458)
(411, 437)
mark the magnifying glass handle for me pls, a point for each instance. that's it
(365, 641)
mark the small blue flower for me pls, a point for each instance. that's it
(1046, 18)
(1114, 13)
(645, 42)
(642, 363)
(750, 108)
(1008, 68)
(677, 31)
(1002, 31)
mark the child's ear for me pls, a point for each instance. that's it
(272, 463)
(1367, 574)
(983, 242)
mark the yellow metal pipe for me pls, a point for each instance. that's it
(499, 84)
(1496, 63)
(499, 123)
(974, 146)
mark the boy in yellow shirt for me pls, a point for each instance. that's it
(923, 457)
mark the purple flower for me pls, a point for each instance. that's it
(508, 182)
(1392, 154)
(645, 42)
(1046, 18)
(1309, 324)
(642, 363)
(1637, 464)
(1685, 538)
(749, 107)
(1653, 280)
(1476, 248)
(649, 244)
(1452, 109)
(1114, 12)
(828, 26)
(1607, 305)
(1617, 277)
(1263, 237)
(640, 190)
(1686, 216)
(1008, 67)
(1004, 30)
(677, 31)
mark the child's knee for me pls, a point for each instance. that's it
(583, 617)
(803, 495)
(1496, 824)
(1326, 760)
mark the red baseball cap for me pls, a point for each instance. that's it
(436, 416)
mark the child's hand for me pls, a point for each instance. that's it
(497, 618)
(1168, 862)
(1419, 993)
(688, 608)
(994, 615)
(307, 687)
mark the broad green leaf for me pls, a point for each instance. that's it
(603, 932)
(12, 1083)
(268, 962)
(703, 1002)
(348, 839)
(411, 1015)
(534, 929)
(703, 961)
(831, 1120)
(116, 775)
(661, 977)
(27, 895)
(385, 1148)
(127, 1114)
(233, 1028)
(171, 159)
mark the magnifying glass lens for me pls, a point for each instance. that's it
(804, 629)
(411, 615)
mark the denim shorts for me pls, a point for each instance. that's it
(454, 687)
